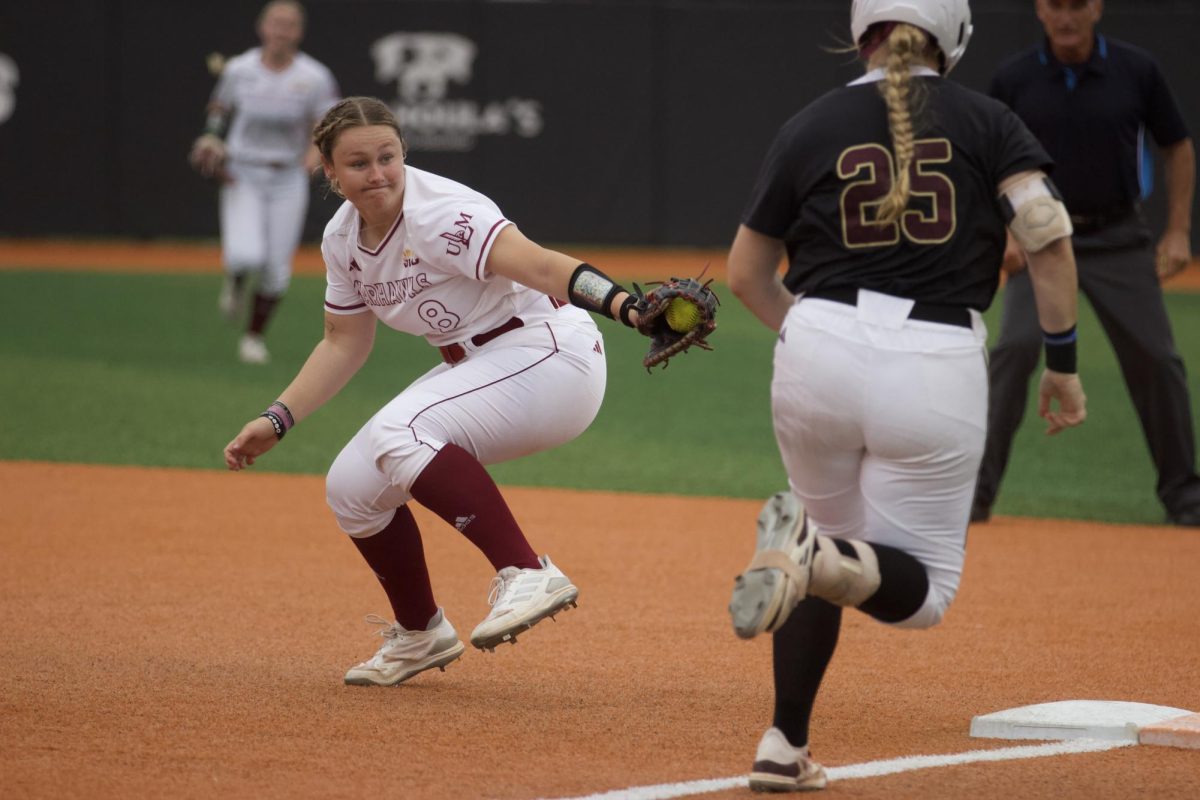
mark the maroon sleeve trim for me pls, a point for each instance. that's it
(484, 249)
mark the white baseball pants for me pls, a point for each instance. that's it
(881, 421)
(529, 390)
(262, 220)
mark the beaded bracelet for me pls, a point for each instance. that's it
(276, 421)
(280, 417)
(284, 412)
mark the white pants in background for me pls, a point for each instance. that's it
(262, 220)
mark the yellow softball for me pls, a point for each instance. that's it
(682, 316)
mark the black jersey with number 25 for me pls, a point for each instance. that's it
(831, 164)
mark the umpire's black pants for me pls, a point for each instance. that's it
(1116, 274)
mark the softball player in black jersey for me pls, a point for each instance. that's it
(889, 199)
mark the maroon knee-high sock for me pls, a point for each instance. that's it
(457, 488)
(264, 308)
(397, 557)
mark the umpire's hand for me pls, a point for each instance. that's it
(1015, 259)
(1173, 253)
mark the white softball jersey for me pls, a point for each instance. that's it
(536, 386)
(273, 111)
(263, 206)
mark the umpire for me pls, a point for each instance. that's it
(1090, 99)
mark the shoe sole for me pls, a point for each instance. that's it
(758, 594)
(437, 662)
(559, 601)
(765, 782)
(768, 776)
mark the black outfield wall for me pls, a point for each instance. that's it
(601, 122)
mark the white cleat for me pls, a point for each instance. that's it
(779, 767)
(520, 598)
(406, 653)
(778, 574)
(253, 350)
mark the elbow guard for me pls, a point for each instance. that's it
(1034, 212)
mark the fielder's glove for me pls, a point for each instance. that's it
(208, 158)
(654, 321)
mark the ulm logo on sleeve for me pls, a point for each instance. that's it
(459, 237)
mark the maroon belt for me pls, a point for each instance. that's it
(454, 353)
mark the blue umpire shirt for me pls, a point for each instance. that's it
(1092, 119)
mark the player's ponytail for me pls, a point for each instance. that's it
(904, 43)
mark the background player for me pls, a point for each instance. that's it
(522, 372)
(879, 392)
(268, 98)
(1090, 100)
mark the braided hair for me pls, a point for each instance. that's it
(904, 44)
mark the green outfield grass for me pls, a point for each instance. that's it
(139, 369)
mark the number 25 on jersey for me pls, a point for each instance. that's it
(869, 169)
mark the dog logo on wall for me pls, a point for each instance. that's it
(426, 68)
(423, 64)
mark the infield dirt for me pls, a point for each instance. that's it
(183, 633)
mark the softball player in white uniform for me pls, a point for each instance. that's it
(879, 391)
(521, 371)
(270, 97)
(429, 277)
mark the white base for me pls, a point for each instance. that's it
(1073, 719)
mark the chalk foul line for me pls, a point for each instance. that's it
(868, 769)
